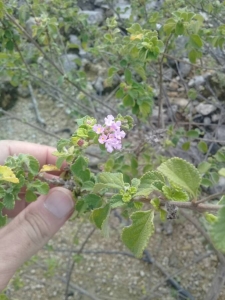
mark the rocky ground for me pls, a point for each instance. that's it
(105, 270)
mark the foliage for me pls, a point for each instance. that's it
(129, 180)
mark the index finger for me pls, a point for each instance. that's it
(41, 152)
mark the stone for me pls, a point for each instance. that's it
(95, 17)
(196, 81)
(184, 69)
(221, 133)
(215, 117)
(205, 109)
(154, 5)
(168, 74)
(207, 121)
(68, 61)
(124, 9)
(182, 102)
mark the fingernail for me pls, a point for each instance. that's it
(59, 203)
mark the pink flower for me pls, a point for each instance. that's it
(119, 134)
(115, 125)
(102, 139)
(98, 128)
(109, 120)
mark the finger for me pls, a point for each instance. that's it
(31, 230)
(42, 153)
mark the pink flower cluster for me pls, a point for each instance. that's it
(110, 134)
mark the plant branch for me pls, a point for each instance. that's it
(73, 264)
(13, 20)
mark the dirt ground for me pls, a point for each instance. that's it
(104, 271)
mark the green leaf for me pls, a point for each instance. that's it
(149, 183)
(196, 41)
(116, 201)
(2, 192)
(206, 182)
(88, 202)
(175, 194)
(100, 215)
(40, 186)
(193, 134)
(2, 218)
(204, 167)
(186, 146)
(80, 170)
(210, 217)
(112, 71)
(182, 174)
(31, 163)
(136, 236)
(202, 146)
(59, 162)
(218, 229)
(222, 172)
(128, 76)
(128, 101)
(9, 200)
(109, 180)
(30, 196)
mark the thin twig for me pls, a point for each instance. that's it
(79, 289)
(35, 106)
(198, 226)
(29, 124)
(13, 20)
(208, 198)
(73, 264)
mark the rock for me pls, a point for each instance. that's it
(68, 61)
(174, 85)
(215, 117)
(154, 5)
(221, 133)
(124, 9)
(168, 74)
(86, 4)
(29, 23)
(207, 121)
(196, 81)
(184, 69)
(180, 101)
(205, 109)
(95, 17)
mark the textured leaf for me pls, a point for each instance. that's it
(9, 201)
(31, 163)
(6, 174)
(182, 174)
(80, 170)
(2, 218)
(40, 186)
(116, 201)
(218, 229)
(109, 180)
(210, 218)
(88, 202)
(204, 166)
(222, 172)
(30, 196)
(175, 194)
(202, 146)
(49, 168)
(150, 182)
(136, 236)
(100, 215)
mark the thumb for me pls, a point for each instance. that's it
(31, 230)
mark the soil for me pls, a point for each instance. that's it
(104, 271)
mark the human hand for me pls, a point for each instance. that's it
(34, 224)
